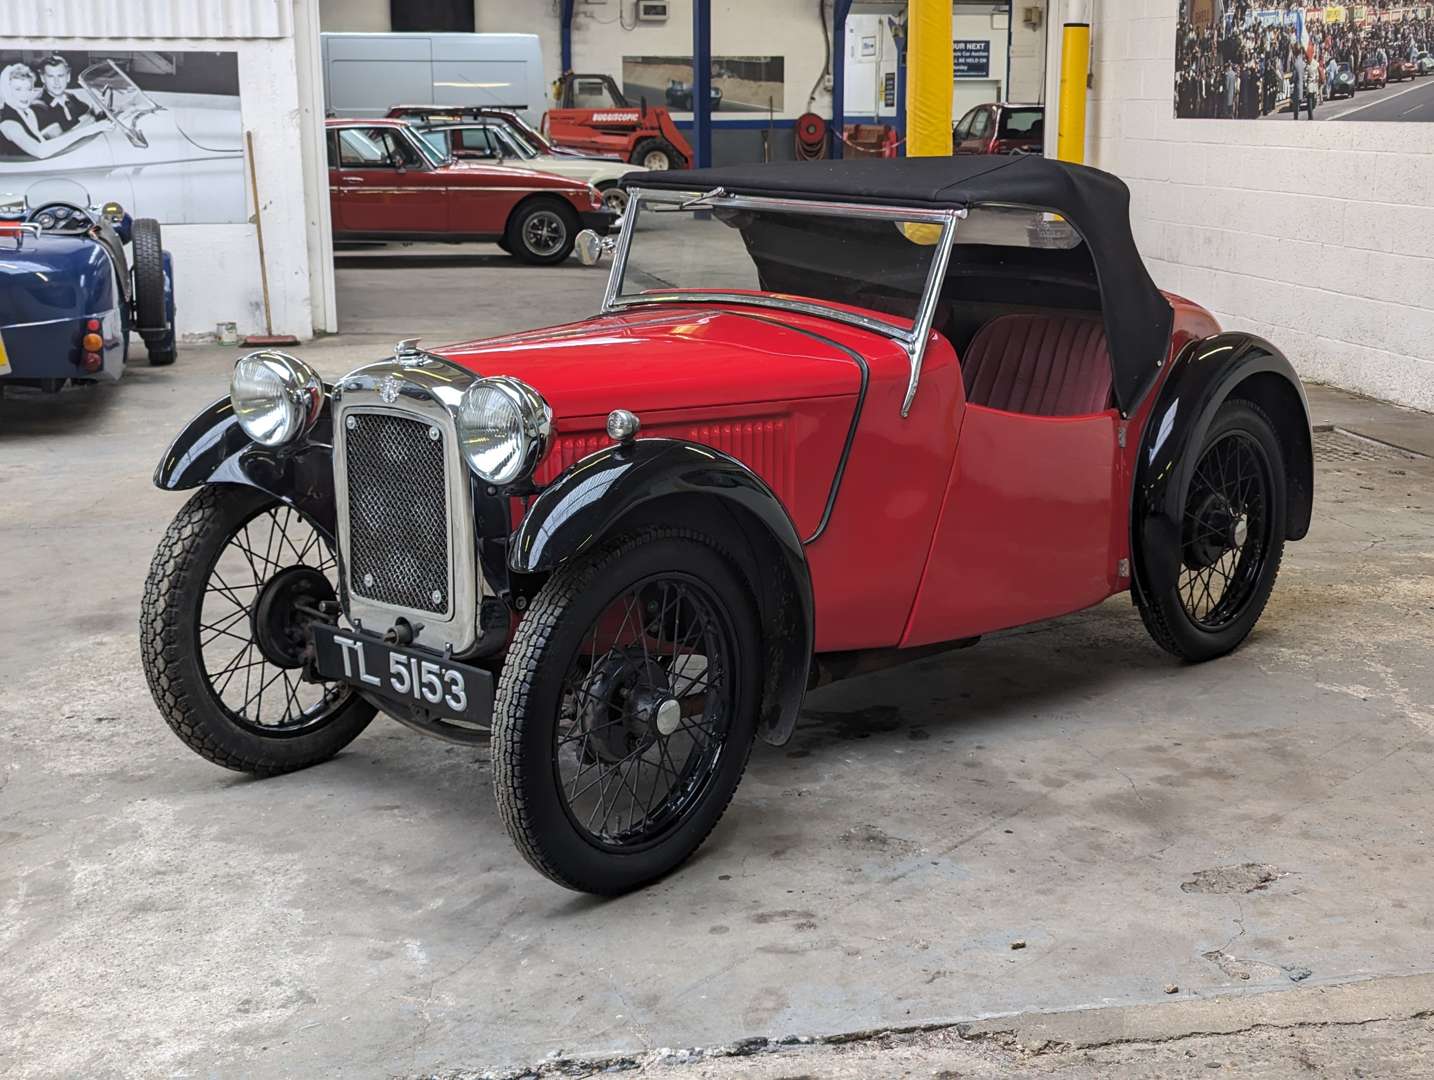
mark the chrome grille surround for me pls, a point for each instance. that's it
(387, 396)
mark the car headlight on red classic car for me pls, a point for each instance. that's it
(504, 428)
(276, 397)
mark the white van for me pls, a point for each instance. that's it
(367, 74)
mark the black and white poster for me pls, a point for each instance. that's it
(157, 132)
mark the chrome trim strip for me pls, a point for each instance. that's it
(801, 206)
(619, 258)
(801, 307)
(52, 322)
(921, 332)
(429, 394)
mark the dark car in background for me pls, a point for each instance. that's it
(1000, 127)
(70, 294)
(1401, 68)
(679, 95)
(1343, 83)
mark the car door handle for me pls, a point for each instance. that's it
(351, 180)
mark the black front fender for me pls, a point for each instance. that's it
(213, 449)
(1205, 375)
(673, 480)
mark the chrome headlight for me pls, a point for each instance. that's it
(504, 427)
(276, 397)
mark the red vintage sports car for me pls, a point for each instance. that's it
(1401, 68)
(832, 416)
(388, 183)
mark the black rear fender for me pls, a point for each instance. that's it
(1206, 374)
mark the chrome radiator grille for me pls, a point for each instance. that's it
(397, 512)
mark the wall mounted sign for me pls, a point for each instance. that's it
(888, 90)
(971, 59)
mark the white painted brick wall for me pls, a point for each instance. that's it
(1318, 236)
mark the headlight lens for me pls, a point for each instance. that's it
(276, 397)
(504, 427)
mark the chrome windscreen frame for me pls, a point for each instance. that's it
(428, 390)
(913, 339)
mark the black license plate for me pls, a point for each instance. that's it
(414, 676)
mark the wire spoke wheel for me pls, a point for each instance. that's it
(250, 655)
(1225, 531)
(627, 707)
(646, 708)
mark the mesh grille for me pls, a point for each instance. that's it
(398, 516)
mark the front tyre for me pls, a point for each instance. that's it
(221, 634)
(1232, 538)
(626, 710)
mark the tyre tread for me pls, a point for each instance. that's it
(162, 643)
(514, 685)
(1157, 622)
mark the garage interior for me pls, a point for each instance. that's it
(1059, 853)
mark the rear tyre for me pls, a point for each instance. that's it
(220, 642)
(542, 232)
(657, 154)
(1232, 538)
(626, 710)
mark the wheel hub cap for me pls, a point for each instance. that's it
(669, 716)
(278, 621)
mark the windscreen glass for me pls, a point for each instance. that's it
(879, 265)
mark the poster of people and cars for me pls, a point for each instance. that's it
(157, 132)
(739, 83)
(1243, 60)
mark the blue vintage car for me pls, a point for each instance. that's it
(70, 293)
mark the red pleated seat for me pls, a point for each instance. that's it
(1043, 364)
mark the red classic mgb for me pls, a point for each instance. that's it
(831, 416)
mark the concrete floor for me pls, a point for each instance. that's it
(1064, 787)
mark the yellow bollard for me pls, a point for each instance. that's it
(1075, 74)
(929, 78)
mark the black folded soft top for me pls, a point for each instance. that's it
(1137, 317)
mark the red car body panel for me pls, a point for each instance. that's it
(993, 519)
(1373, 76)
(462, 200)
